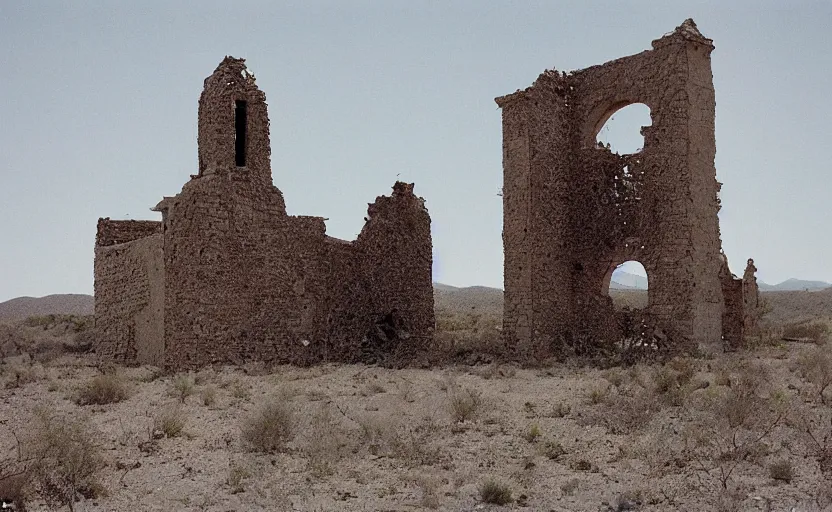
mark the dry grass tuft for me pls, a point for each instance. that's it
(429, 490)
(170, 421)
(325, 442)
(465, 404)
(494, 492)
(22, 374)
(237, 476)
(209, 396)
(102, 389)
(270, 428)
(183, 387)
(533, 433)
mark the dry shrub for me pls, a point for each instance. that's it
(598, 394)
(414, 449)
(65, 457)
(101, 390)
(183, 387)
(465, 404)
(429, 488)
(533, 433)
(561, 410)
(325, 442)
(570, 486)
(170, 421)
(209, 396)
(816, 367)
(494, 492)
(373, 388)
(818, 439)
(553, 450)
(628, 411)
(240, 391)
(270, 427)
(808, 330)
(237, 476)
(384, 436)
(22, 374)
(733, 426)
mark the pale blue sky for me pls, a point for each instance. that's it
(98, 104)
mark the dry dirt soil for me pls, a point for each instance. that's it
(743, 431)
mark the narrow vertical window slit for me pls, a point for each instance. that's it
(240, 133)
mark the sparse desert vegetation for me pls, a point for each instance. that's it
(710, 432)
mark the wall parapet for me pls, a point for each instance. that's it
(114, 232)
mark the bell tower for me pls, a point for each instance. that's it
(234, 123)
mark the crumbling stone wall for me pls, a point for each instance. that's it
(245, 281)
(752, 307)
(112, 232)
(573, 210)
(129, 299)
(742, 305)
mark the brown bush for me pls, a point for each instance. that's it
(465, 404)
(65, 457)
(102, 389)
(495, 492)
(816, 367)
(170, 421)
(270, 428)
(814, 331)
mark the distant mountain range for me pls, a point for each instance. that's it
(625, 281)
(62, 304)
(794, 285)
(485, 297)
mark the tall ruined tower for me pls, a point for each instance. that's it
(234, 123)
(573, 210)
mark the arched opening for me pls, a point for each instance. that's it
(628, 286)
(621, 130)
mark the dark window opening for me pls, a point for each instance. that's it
(240, 133)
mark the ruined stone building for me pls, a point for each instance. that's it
(574, 210)
(228, 276)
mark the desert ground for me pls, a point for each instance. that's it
(748, 430)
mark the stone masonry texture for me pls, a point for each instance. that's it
(228, 277)
(573, 210)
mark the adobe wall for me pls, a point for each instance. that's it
(112, 232)
(574, 210)
(229, 277)
(245, 281)
(230, 82)
(732, 315)
(129, 299)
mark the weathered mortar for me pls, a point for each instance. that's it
(573, 210)
(242, 280)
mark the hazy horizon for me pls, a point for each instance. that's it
(99, 106)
